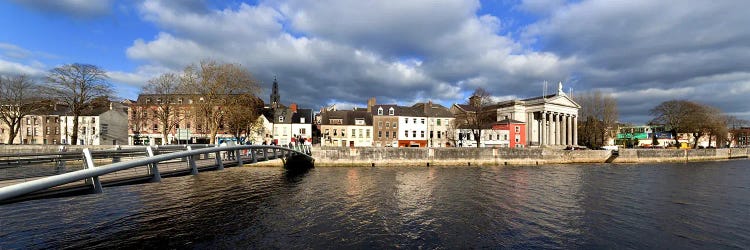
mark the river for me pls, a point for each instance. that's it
(681, 206)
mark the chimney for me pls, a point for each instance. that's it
(370, 104)
(293, 107)
(474, 101)
(428, 107)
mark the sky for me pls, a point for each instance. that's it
(343, 52)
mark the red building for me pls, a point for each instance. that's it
(516, 131)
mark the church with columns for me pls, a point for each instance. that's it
(551, 120)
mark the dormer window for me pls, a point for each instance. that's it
(281, 118)
(359, 121)
(380, 111)
(390, 111)
(301, 120)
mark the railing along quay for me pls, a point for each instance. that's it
(143, 161)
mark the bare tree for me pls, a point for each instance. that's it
(598, 118)
(682, 116)
(480, 115)
(164, 90)
(214, 84)
(18, 97)
(241, 114)
(137, 120)
(77, 85)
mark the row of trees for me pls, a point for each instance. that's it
(681, 116)
(76, 85)
(224, 94)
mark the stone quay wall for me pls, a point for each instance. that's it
(332, 156)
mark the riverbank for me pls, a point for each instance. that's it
(328, 156)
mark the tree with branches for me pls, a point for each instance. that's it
(18, 98)
(479, 115)
(241, 114)
(215, 85)
(77, 85)
(164, 90)
(598, 118)
(681, 116)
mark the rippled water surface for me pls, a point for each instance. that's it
(696, 205)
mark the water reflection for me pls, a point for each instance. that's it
(593, 206)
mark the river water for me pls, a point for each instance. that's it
(681, 206)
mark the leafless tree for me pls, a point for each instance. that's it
(241, 114)
(163, 91)
(698, 119)
(480, 115)
(77, 85)
(138, 119)
(598, 118)
(18, 97)
(214, 84)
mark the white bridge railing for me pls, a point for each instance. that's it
(91, 173)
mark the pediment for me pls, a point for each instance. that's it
(563, 100)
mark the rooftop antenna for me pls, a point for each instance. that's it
(544, 91)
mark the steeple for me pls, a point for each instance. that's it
(275, 98)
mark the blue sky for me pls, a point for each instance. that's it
(340, 51)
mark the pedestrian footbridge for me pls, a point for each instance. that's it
(34, 176)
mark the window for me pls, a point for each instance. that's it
(302, 131)
(93, 130)
(387, 124)
(327, 130)
(518, 129)
(406, 133)
(390, 111)
(368, 133)
(28, 131)
(414, 120)
(359, 121)
(301, 120)
(187, 125)
(406, 120)
(380, 111)
(422, 120)
(360, 133)
(394, 124)
(46, 120)
(438, 122)
(354, 134)
(335, 121)
(46, 132)
(93, 120)
(438, 134)
(281, 118)
(505, 137)
(28, 121)
(394, 134)
(431, 133)
(414, 134)
(380, 134)
(156, 127)
(518, 138)
(380, 124)
(335, 133)
(179, 101)
(387, 134)
(57, 131)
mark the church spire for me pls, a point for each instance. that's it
(275, 98)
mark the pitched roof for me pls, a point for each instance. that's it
(348, 117)
(306, 113)
(397, 110)
(435, 110)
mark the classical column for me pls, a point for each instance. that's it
(543, 129)
(568, 131)
(529, 124)
(557, 129)
(575, 130)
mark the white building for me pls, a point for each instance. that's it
(346, 128)
(102, 127)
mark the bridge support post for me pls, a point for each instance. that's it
(89, 164)
(115, 157)
(60, 167)
(252, 156)
(265, 154)
(153, 167)
(239, 157)
(191, 162)
(219, 161)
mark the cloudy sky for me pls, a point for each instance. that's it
(399, 51)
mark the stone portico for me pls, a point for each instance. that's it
(550, 120)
